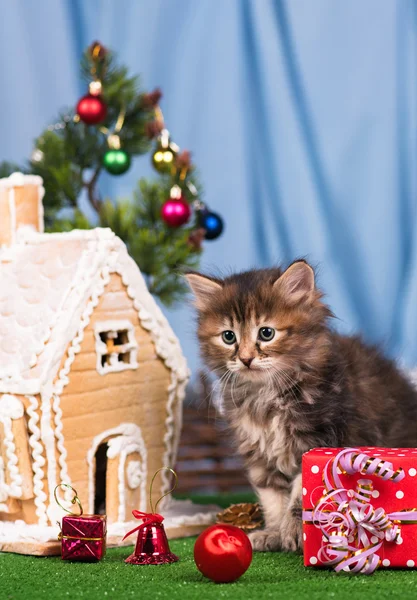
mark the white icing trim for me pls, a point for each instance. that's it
(123, 440)
(4, 494)
(75, 346)
(134, 474)
(11, 408)
(48, 439)
(19, 180)
(38, 460)
(176, 389)
(60, 441)
(131, 347)
(99, 234)
(140, 448)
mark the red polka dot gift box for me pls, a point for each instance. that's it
(360, 508)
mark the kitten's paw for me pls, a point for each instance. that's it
(292, 535)
(265, 541)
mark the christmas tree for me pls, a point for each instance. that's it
(165, 222)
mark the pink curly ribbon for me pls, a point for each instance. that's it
(348, 523)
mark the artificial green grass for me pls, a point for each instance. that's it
(271, 575)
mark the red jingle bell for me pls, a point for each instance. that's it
(223, 553)
(152, 546)
(91, 109)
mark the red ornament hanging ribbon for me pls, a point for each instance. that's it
(148, 518)
(152, 546)
(353, 531)
(91, 108)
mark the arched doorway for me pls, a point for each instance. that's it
(117, 472)
(100, 479)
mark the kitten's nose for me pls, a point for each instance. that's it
(246, 361)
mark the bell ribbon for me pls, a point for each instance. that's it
(353, 531)
(147, 518)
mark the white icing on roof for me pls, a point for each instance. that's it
(46, 281)
(19, 180)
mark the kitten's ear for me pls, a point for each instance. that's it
(203, 288)
(296, 283)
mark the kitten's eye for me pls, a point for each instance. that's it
(228, 337)
(266, 334)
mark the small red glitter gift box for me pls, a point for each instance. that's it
(83, 537)
(360, 508)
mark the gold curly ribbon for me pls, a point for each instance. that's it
(75, 499)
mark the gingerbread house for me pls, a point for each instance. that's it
(92, 378)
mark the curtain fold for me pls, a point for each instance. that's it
(301, 117)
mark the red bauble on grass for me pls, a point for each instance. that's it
(175, 212)
(91, 109)
(223, 553)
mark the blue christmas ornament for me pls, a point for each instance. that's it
(212, 223)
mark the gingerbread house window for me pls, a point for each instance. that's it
(116, 346)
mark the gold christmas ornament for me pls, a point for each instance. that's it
(246, 515)
(163, 158)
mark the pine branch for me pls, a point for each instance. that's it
(69, 157)
(92, 193)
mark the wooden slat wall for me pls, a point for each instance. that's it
(207, 462)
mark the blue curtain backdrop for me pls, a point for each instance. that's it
(300, 114)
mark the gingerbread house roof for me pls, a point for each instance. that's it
(49, 287)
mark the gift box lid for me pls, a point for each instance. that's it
(392, 495)
(86, 526)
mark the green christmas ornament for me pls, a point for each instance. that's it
(116, 162)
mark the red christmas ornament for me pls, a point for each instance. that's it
(176, 210)
(91, 109)
(223, 553)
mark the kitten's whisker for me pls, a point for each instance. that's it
(232, 389)
(290, 382)
(218, 383)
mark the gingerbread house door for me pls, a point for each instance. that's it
(118, 471)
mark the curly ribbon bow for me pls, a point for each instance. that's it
(147, 518)
(353, 531)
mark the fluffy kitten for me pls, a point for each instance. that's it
(289, 383)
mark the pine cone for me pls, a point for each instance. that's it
(246, 516)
